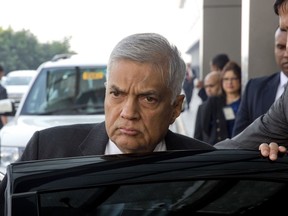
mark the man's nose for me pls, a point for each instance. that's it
(130, 109)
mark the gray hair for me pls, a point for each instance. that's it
(155, 49)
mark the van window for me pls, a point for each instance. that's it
(66, 91)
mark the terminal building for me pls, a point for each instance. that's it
(243, 29)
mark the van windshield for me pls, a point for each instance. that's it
(67, 91)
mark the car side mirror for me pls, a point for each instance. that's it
(7, 107)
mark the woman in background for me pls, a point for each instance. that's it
(220, 111)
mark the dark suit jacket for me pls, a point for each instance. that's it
(202, 94)
(84, 139)
(258, 96)
(213, 123)
(198, 131)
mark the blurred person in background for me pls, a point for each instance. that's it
(220, 111)
(261, 92)
(188, 85)
(3, 95)
(217, 63)
(212, 85)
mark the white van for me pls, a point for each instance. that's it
(66, 90)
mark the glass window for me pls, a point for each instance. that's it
(220, 197)
(66, 91)
(14, 80)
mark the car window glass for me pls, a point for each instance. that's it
(21, 80)
(183, 197)
(67, 90)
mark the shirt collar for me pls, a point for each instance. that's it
(111, 148)
(283, 79)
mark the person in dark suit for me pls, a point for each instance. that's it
(260, 93)
(212, 86)
(142, 99)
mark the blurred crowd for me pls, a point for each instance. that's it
(226, 108)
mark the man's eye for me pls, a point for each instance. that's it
(150, 99)
(115, 93)
(281, 47)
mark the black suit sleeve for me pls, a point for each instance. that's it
(242, 119)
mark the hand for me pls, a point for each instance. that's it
(272, 150)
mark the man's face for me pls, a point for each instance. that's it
(138, 109)
(281, 56)
(212, 86)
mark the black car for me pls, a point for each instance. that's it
(215, 182)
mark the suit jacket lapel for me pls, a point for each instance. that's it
(96, 140)
(270, 91)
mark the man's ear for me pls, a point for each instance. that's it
(178, 107)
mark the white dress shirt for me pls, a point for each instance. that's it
(111, 148)
(283, 81)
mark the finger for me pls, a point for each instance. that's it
(282, 149)
(264, 149)
(273, 153)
